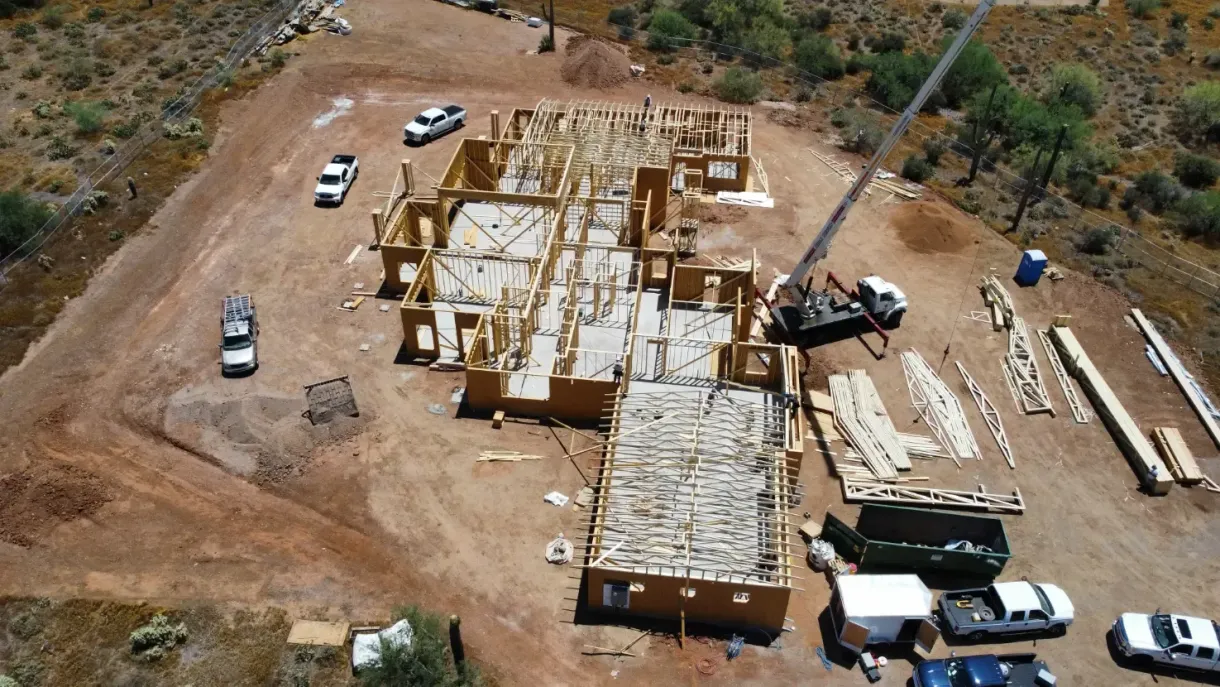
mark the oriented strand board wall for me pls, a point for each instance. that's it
(652, 182)
(412, 317)
(393, 258)
(570, 397)
(712, 602)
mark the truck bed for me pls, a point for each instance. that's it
(343, 160)
(1025, 674)
(979, 598)
(452, 110)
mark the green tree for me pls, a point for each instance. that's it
(1197, 116)
(953, 19)
(896, 77)
(817, 19)
(1074, 84)
(738, 85)
(1023, 120)
(20, 218)
(768, 40)
(624, 16)
(1152, 191)
(426, 662)
(727, 20)
(1195, 171)
(1199, 215)
(917, 169)
(976, 69)
(668, 29)
(819, 56)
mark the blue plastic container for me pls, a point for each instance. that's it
(1033, 262)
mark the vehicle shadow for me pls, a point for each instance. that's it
(239, 374)
(1156, 670)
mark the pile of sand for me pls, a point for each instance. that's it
(591, 63)
(929, 227)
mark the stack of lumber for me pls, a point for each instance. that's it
(997, 299)
(1126, 433)
(1190, 389)
(939, 408)
(1021, 371)
(855, 419)
(846, 173)
(1177, 455)
(505, 457)
(919, 446)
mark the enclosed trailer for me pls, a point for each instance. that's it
(882, 609)
(890, 537)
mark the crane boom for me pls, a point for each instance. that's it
(821, 242)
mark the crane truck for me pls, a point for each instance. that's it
(815, 316)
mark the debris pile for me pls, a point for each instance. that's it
(591, 63)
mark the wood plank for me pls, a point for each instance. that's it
(1177, 455)
(1123, 429)
(1179, 375)
(318, 633)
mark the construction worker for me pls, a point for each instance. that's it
(618, 370)
(131, 187)
(647, 102)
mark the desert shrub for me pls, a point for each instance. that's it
(1084, 190)
(20, 218)
(279, 58)
(917, 169)
(859, 130)
(666, 58)
(686, 87)
(1074, 84)
(1142, 9)
(77, 75)
(117, 235)
(426, 662)
(6, 681)
(74, 31)
(87, 115)
(95, 201)
(103, 69)
(155, 640)
(738, 85)
(1196, 171)
(768, 40)
(95, 14)
(976, 69)
(1197, 116)
(1174, 43)
(24, 30)
(41, 109)
(933, 148)
(623, 16)
(1098, 240)
(171, 69)
(803, 94)
(668, 29)
(1199, 215)
(59, 149)
(1177, 20)
(890, 41)
(817, 19)
(819, 56)
(53, 17)
(953, 19)
(1214, 12)
(896, 77)
(1152, 191)
(1208, 23)
(4, 65)
(1212, 61)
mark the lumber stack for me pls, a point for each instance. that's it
(1021, 372)
(939, 408)
(1126, 433)
(997, 299)
(1181, 377)
(851, 422)
(1177, 455)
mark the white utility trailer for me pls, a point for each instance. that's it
(882, 609)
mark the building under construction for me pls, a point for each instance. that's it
(547, 265)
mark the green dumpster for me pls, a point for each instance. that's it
(892, 537)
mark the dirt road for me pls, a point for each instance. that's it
(201, 488)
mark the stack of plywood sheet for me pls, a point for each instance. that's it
(939, 408)
(1148, 466)
(1177, 455)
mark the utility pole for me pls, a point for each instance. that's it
(978, 149)
(550, 22)
(1029, 188)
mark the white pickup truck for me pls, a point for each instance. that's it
(1178, 641)
(337, 177)
(433, 122)
(1006, 608)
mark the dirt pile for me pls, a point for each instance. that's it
(39, 498)
(928, 227)
(590, 63)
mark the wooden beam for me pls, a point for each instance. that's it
(1179, 375)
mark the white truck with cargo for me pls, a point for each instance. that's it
(239, 336)
(1175, 641)
(1006, 608)
(868, 610)
(434, 122)
(336, 178)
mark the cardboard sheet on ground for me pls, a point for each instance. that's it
(366, 647)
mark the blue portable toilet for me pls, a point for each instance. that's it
(1033, 262)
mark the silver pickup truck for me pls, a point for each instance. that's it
(239, 336)
(1006, 608)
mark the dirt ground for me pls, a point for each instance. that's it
(188, 487)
